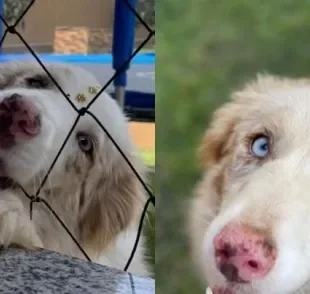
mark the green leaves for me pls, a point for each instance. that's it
(13, 9)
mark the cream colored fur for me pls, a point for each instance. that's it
(99, 199)
(270, 194)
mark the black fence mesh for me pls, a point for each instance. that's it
(13, 29)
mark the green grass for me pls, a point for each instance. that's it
(149, 157)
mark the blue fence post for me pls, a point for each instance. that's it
(122, 47)
(1, 23)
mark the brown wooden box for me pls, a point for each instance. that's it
(81, 40)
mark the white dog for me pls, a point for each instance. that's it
(250, 222)
(91, 187)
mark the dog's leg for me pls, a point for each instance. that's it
(16, 228)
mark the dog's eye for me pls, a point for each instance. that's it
(260, 146)
(37, 82)
(85, 143)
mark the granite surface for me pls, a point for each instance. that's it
(47, 272)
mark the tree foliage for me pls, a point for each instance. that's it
(146, 9)
(13, 9)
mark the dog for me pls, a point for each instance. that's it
(91, 187)
(250, 215)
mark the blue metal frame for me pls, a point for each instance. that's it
(123, 38)
(122, 48)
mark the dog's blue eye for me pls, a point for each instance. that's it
(85, 142)
(260, 147)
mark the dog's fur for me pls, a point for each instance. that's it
(98, 197)
(270, 194)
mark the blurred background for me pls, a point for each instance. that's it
(71, 26)
(83, 32)
(206, 49)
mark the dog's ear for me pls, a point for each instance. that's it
(112, 201)
(215, 141)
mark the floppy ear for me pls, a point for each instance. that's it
(217, 137)
(112, 201)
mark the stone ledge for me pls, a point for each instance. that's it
(48, 272)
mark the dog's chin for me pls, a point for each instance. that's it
(232, 288)
(227, 289)
(222, 291)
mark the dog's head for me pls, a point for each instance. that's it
(90, 182)
(250, 221)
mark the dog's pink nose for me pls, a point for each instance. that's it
(243, 254)
(19, 118)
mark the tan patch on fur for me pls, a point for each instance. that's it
(110, 207)
(214, 145)
(273, 192)
(96, 199)
(73, 165)
(217, 152)
(219, 182)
